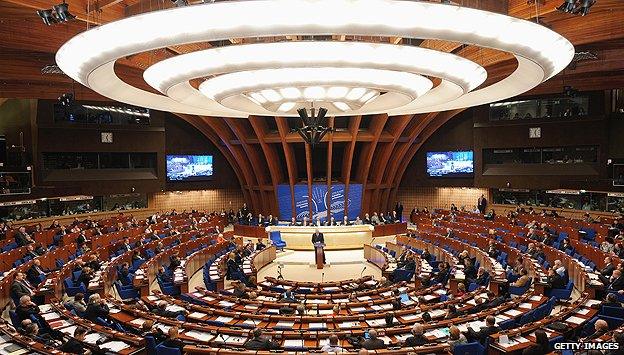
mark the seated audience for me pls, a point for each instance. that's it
(78, 303)
(20, 287)
(75, 344)
(417, 338)
(483, 334)
(541, 346)
(173, 340)
(257, 342)
(333, 346)
(601, 327)
(373, 343)
(455, 337)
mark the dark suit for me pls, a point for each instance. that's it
(73, 346)
(617, 284)
(95, 310)
(33, 274)
(470, 272)
(483, 333)
(483, 279)
(556, 281)
(416, 340)
(481, 204)
(260, 344)
(318, 238)
(19, 289)
(607, 270)
(21, 239)
(373, 344)
(24, 312)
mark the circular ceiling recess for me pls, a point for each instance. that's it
(348, 78)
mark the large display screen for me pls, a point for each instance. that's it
(450, 164)
(189, 167)
(319, 201)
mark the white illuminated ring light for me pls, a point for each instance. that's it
(171, 76)
(89, 57)
(322, 84)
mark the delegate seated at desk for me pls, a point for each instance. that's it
(317, 237)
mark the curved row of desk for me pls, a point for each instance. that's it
(218, 322)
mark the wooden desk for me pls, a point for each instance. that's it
(336, 237)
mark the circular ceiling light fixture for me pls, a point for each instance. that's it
(540, 53)
(271, 88)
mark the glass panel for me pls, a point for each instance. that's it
(572, 107)
(615, 204)
(124, 202)
(114, 161)
(555, 155)
(12, 183)
(64, 208)
(91, 114)
(34, 209)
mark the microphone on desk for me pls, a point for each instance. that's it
(372, 241)
(322, 277)
(361, 273)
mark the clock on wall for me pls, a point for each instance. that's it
(107, 137)
(535, 132)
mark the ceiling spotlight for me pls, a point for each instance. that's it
(62, 12)
(66, 99)
(180, 3)
(568, 6)
(47, 16)
(583, 9)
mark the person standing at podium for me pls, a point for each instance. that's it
(317, 237)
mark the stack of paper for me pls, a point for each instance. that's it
(293, 343)
(201, 336)
(575, 320)
(115, 346)
(197, 315)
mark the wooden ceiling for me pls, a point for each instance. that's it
(380, 150)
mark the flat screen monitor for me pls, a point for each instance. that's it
(450, 164)
(189, 167)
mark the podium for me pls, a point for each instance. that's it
(319, 253)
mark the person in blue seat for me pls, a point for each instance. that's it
(173, 340)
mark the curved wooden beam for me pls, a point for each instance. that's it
(226, 135)
(291, 163)
(270, 155)
(259, 169)
(347, 158)
(330, 147)
(366, 157)
(432, 125)
(383, 155)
